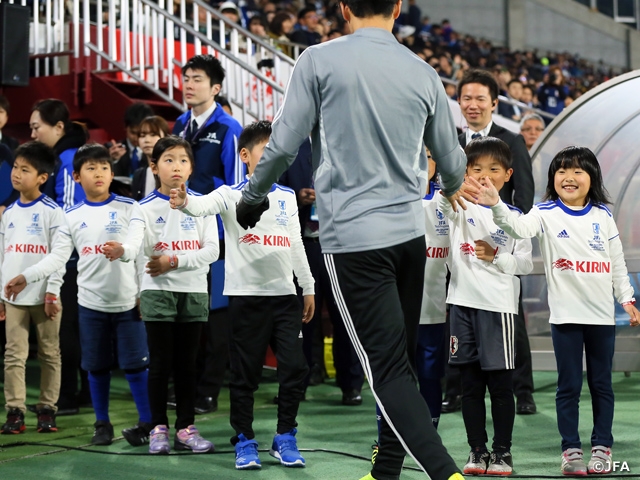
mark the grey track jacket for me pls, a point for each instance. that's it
(370, 106)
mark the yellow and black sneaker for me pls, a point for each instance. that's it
(374, 453)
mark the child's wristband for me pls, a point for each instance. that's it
(630, 302)
(51, 300)
(495, 256)
(186, 200)
(173, 260)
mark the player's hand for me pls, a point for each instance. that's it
(487, 193)
(3, 315)
(306, 196)
(466, 192)
(309, 308)
(633, 313)
(248, 215)
(484, 251)
(51, 309)
(14, 287)
(116, 150)
(158, 265)
(113, 250)
(178, 196)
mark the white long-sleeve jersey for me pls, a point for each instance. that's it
(477, 283)
(260, 261)
(160, 230)
(434, 296)
(27, 233)
(583, 259)
(102, 285)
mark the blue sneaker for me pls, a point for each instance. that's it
(285, 449)
(247, 454)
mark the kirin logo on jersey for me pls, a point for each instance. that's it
(563, 264)
(467, 249)
(453, 345)
(437, 252)
(582, 266)
(250, 239)
(26, 248)
(161, 247)
(86, 251)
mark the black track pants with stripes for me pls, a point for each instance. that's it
(379, 294)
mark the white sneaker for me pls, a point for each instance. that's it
(573, 462)
(600, 460)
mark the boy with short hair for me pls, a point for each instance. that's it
(28, 229)
(482, 320)
(263, 305)
(107, 292)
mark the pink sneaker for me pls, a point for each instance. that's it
(159, 440)
(190, 439)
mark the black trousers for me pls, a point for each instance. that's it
(522, 375)
(349, 374)
(379, 294)
(172, 352)
(475, 382)
(256, 323)
(70, 341)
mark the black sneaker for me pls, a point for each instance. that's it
(15, 422)
(205, 405)
(138, 435)
(478, 461)
(46, 420)
(351, 397)
(501, 463)
(103, 433)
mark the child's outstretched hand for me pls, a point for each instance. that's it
(633, 312)
(308, 309)
(487, 193)
(178, 196)
(14, 287)
(113, 250)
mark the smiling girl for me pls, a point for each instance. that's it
(585, 268)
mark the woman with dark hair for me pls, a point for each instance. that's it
(279, 27)
(50, 125)
(152, 129)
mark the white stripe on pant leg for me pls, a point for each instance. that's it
(505, 346)
(513, 340)
(360, 351)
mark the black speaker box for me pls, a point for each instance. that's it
(14, 45)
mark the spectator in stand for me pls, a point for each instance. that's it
(152, 129)
(553, 93)
(531, 127)
(224, 103)
(5, 108)
(127, 155)
(307, 34)
(528, 95)
(231, 11)
(258, 26)
(514, 92)
(279, 27)
(333, 34)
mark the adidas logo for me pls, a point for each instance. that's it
(470, 220)
(160, 220)
(83, 225)
(563, 234)
(11, 225)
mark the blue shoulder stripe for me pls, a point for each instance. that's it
(515, 209)
(282, 187)
(49, 203)
(148, 198)
(74, 207)
(601, 206)
(10, 206)
(119, 198)
(239, 186)
(193, 192)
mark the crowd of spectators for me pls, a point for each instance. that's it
(549, 81)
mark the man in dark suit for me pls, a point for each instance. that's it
(478, 99)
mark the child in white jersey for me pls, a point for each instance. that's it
(28, 230)
(109, 321)
(263, 306)
(585, 268)
(174, 302)
(483, 294)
